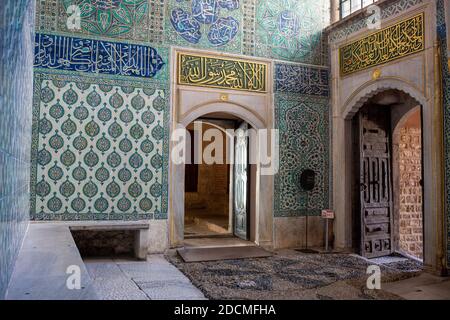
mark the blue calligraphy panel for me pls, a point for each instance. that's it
(185, 25)
(223, 31)
(195, 19)
(205, 11)
(229, 4)
(90, 55)
(288, 23)
(301, 79)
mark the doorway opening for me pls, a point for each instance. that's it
(387, 196)
(217, 178)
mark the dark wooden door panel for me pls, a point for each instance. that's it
(375, 182)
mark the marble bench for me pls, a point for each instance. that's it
(49, 249)
(141, 232)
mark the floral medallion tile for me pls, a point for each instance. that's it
(99, 149)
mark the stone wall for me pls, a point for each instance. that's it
(410, 175)
(16, 84)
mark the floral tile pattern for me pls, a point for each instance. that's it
(304, 144)
(292, 30)
(99, 149)
(136, 20)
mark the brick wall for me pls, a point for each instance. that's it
(410, 192)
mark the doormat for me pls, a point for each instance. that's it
(222, 253)
(321, 251)
(307, 251)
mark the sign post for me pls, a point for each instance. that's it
(327, 215)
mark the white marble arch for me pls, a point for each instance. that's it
(418, 76)
(188, 103)
(432, 171)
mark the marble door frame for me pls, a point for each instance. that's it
(189, 103)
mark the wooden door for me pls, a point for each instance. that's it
(375, 182)
(240, 184)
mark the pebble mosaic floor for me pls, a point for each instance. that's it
(293, 275)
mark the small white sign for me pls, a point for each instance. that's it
(328, 214)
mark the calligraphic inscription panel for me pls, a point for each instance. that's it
(300, 79)
(205, 23)
(402, 39)
(214, 72)
(91, 55)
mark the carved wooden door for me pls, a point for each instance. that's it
(240, 185)
(375, 182)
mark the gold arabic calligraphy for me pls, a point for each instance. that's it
(221, 73)
(394, 42)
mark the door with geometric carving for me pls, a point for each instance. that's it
(375, 182)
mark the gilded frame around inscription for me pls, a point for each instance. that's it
(246, 75)
(381, 54)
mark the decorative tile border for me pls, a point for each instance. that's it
(100, 148)
(96, 56)
(442, 36)
(248, 27)
(300, 79)
(304, 131)
(386, 12)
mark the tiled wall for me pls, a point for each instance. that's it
(302, 117)
(99, 148)
(442, 34)
(89, 138)
(16, 83)
(281, 29)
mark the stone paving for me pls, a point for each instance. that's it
(293, 275)
(156, 278)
